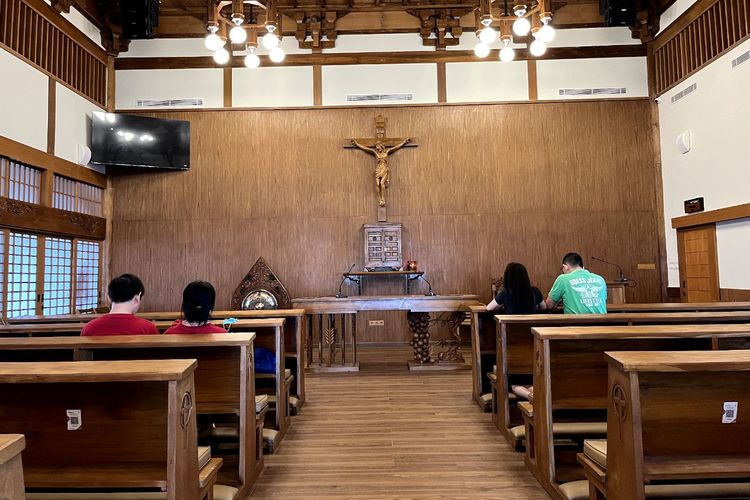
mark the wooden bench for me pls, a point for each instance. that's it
(515, 344)
(570, 386)
(224, 378)
(483, 348)
(679, 307)
(294, 339)
(136, 429)
(11, 469)
(668, 433)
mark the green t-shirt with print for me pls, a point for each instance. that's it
(582, 292)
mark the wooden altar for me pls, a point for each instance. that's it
(332, 334)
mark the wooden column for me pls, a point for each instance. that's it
(441, 87)
(533, 82)
(227, 87)
(317, 85)
(111, 82)
(51, 110)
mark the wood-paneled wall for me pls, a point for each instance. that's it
(488, 184)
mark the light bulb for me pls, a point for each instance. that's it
(252, 60)
(537, 48)
(213, 42)
(276, 55)
(270, 40)
(487, 35)
(481, 50)
(507, 54)
(238, 34)
(221, 56)
(546, 33)
(521, 26)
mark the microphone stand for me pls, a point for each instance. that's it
(429, 293)
(341, 295)
(621, 278)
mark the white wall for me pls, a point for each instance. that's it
(72, 124)
(169, 84)
(417, 79)
(627, 72)
(23, 102)
(717, 168)
(272, 87)
(487, 81)
(673, 12)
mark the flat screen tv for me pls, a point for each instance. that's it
(139, 141)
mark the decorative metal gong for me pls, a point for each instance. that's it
(259, 299)
(261, 289)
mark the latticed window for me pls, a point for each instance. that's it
(21, 275)
(87, 275)
(58, 263)
(76, 196)
(19, 182)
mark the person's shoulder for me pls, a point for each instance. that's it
(215, 329)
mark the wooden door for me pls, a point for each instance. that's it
(699, 268)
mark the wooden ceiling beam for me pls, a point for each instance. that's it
(416, 57)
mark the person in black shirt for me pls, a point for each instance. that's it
(517, 295)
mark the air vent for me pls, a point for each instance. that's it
(684, 93)
(169, 103)
(379, 97)
(599, 91)
(743, 58)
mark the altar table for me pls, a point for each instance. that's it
(332, 332)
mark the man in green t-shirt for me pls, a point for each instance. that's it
(580, 291)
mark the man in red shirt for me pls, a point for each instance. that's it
(125, 292)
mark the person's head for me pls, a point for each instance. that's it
(516, 277)
(198, 301)
(125, 292)
(571, 262)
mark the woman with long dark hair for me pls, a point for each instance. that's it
(517, 295)
(198, 301)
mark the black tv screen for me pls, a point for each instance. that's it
(139, 141)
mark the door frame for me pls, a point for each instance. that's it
(713, 259)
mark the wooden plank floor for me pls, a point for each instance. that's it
(386, 433)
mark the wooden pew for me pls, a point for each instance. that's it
(294, 339)
(570, 385)
(483, 347)
(11, 469)
(680, 307)
(224, 378)
(666, 430)
(515, 356)
(137, 425)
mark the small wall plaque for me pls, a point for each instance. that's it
(694, 205)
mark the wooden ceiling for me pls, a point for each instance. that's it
(317, 23)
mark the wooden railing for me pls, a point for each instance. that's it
(704, 32)
(35, 32)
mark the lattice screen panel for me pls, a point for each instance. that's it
(87, 275)
(22, 268)
(21, 182)
(58, 265)
(75, 196)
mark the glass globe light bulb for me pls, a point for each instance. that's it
(238, 34)
(537, 48)
(276, 55)
(546, 33)
(507, 54)
(487, 35)
(252, 60)
(221, 56)
(270, 41)
(481, 50)
(521, 26)
(213, 42)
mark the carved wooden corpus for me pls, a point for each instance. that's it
(440, 27)
(260, 277)
(316, 30)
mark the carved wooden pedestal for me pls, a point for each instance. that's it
(437, 355)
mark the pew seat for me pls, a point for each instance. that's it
(596, 450)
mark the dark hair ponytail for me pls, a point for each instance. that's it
(516, 282)
(198, 301)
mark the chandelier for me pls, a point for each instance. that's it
(519, 20)
(239, 32)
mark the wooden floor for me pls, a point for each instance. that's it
(387, 433)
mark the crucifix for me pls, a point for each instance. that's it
(381, 147)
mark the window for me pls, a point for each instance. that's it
(58, 263)
(64, 281)
(75, 196)
(19, 182)
(87, 275)
(22, 264)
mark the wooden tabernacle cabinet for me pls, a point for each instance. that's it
(382, 246)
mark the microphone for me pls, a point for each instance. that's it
(429, 293)
(341, 295)
(622, 278)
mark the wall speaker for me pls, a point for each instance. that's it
(84, 155)
(684, 142)
(140, 19)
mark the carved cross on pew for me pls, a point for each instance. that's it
(381, 146)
